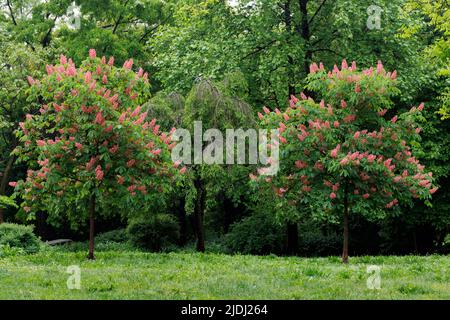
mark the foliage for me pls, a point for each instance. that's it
(218, 105)
(446, 243)
(118, 236)
(218, 61)
(7, 251)
(16, 62)
(118, 28)
(18, 236)
(274, 43)
(101, 245)
(434, 17)
(90, 139)
(7, 202)
(257, 234)
(347, 149)
(342, 155)
(167, 107)
(154, 232)
(314, 242)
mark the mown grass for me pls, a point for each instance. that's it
(139, 275)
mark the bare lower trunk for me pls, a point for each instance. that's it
(199, 213)
(182, 223)
(4, 181)
(91, 227)
(290, 59)
(200, 232)
(345, 247)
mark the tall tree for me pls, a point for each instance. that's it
(341, 156)
(217, 106)
(90, 144)
(17, 61)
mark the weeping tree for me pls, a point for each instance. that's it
(221, 106)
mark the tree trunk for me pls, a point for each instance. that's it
(199, 213)
(4, 181)
(182, 223)
(91, 227)
(305, 34)
(292, 238)
(291, 63)
(345, 247)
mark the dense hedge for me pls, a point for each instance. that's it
(19, 236)
(153, 233)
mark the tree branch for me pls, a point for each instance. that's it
(259, 49)
(317, 11)
(325, 49)
(11, 12)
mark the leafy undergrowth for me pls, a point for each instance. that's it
(123, 274)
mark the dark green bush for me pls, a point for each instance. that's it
(446, 244)
(154, 232)
(316, 243)
(118, 236)
(19, 236)
(256, 234)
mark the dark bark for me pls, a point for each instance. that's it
(4, 182)
(91, 227)
(305, 34)
(182, 223)
(292, 238)
(229, 213)
(45, 42)
(346, 235)
(11, 12)
(288, 23)
(199, 213)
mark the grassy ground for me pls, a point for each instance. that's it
(137, 275)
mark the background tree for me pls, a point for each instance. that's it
(434, 16)
(273, 43)
(17, 61)
(220, 106)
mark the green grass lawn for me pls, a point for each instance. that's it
(138, 275)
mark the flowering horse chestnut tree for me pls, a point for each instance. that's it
(343, 155)
(90, 148)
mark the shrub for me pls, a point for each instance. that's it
(19, 236)
(154, 232)
(118, 236)
(316, 243)
(256, 234)
(7, 251)
(446, 244)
